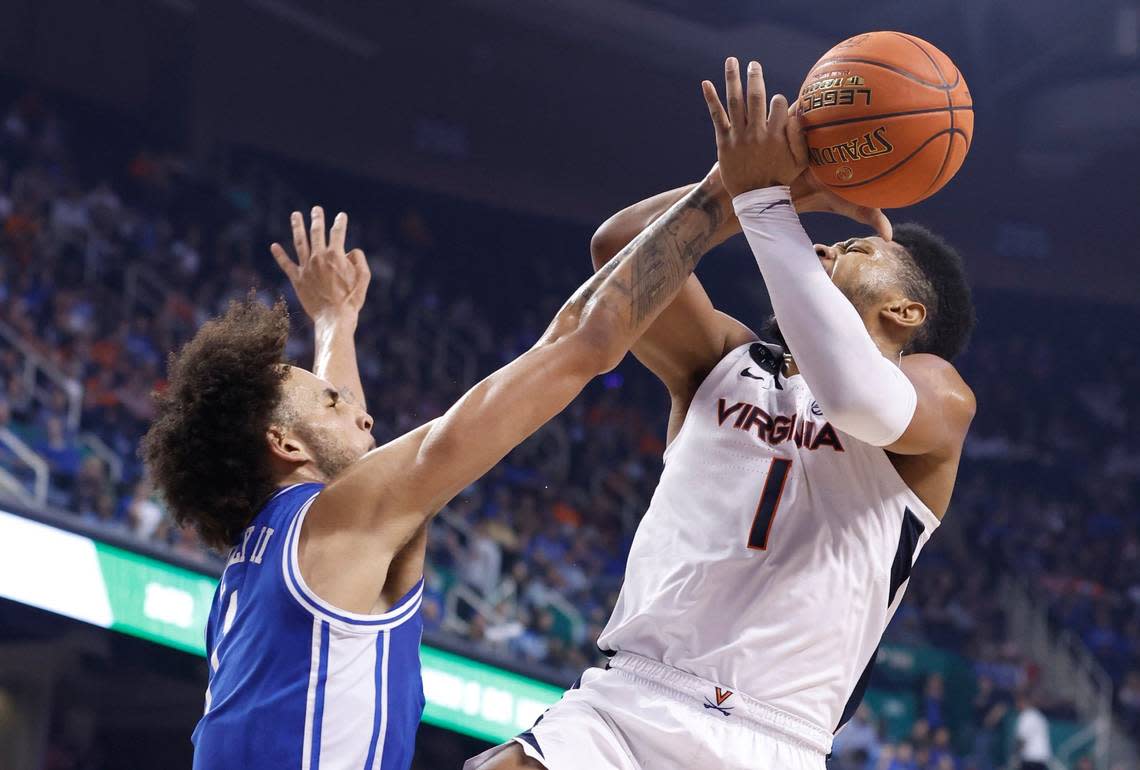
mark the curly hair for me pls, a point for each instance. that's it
(935, 276)
(206, 449)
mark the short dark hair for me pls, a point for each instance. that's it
(934, 275)
(206, 449)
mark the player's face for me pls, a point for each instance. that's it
(861, 268)
(334, 428)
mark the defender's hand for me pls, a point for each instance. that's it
(327, 280)
(752, 141)
(808, 194)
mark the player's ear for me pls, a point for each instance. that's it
(907, 313)
(284, 445)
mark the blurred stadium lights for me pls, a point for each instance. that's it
(88, 579)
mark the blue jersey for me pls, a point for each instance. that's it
(295, 682)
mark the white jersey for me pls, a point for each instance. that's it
(775, 550)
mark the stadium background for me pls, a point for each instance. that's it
(150, 149)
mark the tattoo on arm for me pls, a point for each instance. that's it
(662, 257)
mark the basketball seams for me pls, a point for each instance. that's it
(902, 162)
(885, 115)
(934, 184)
(893, 68)
(925, 53)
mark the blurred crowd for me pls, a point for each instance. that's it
(109, 259)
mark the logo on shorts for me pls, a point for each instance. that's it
(721, 697)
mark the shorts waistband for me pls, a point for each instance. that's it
(687, 687)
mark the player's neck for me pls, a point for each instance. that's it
(305, 474)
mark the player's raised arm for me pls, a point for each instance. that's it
(918, 408)
(691, 335)
(685, 342)
(371, 510)
(331, 285)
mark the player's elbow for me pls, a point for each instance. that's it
(593, 347)
(605, 244)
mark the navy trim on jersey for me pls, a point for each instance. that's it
(379, 727)
(857, 694)
(403, 610)
(319, 708)
(531, 741)
(901, 567)
(912, 530)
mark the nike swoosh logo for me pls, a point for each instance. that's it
(747, 373)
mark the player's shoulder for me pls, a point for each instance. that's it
(938, 377)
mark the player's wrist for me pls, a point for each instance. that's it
(754, 201)
(713, 187)
(338, 317)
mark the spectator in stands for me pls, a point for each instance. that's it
(144, 514)
(857, 746)
(990, 707)
(932, 701)
(1129, 697)
(1031, 735)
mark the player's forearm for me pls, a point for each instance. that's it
(617, 231)
(860, 392)
(621, 300)
(623, 227)
(334, 358)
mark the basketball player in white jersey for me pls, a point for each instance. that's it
(799, 486)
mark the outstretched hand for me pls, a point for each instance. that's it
(752, 140)
(326, 279)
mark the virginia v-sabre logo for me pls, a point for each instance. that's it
(721, 697)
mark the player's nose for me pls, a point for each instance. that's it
(827, 256)
(365, 421)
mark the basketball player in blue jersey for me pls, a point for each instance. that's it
(801, 481)
(314, 632)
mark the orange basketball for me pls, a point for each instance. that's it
(888, 119)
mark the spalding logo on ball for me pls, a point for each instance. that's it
(888, 119)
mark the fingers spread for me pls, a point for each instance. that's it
(300, 237)
(287, 265)
(317, 229)
(734, 93)
(756, 94)
(716, 110)
(337, 233)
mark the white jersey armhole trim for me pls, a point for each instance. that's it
(349, 622)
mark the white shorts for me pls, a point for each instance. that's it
(640, 714)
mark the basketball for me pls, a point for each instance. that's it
(888, 119)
